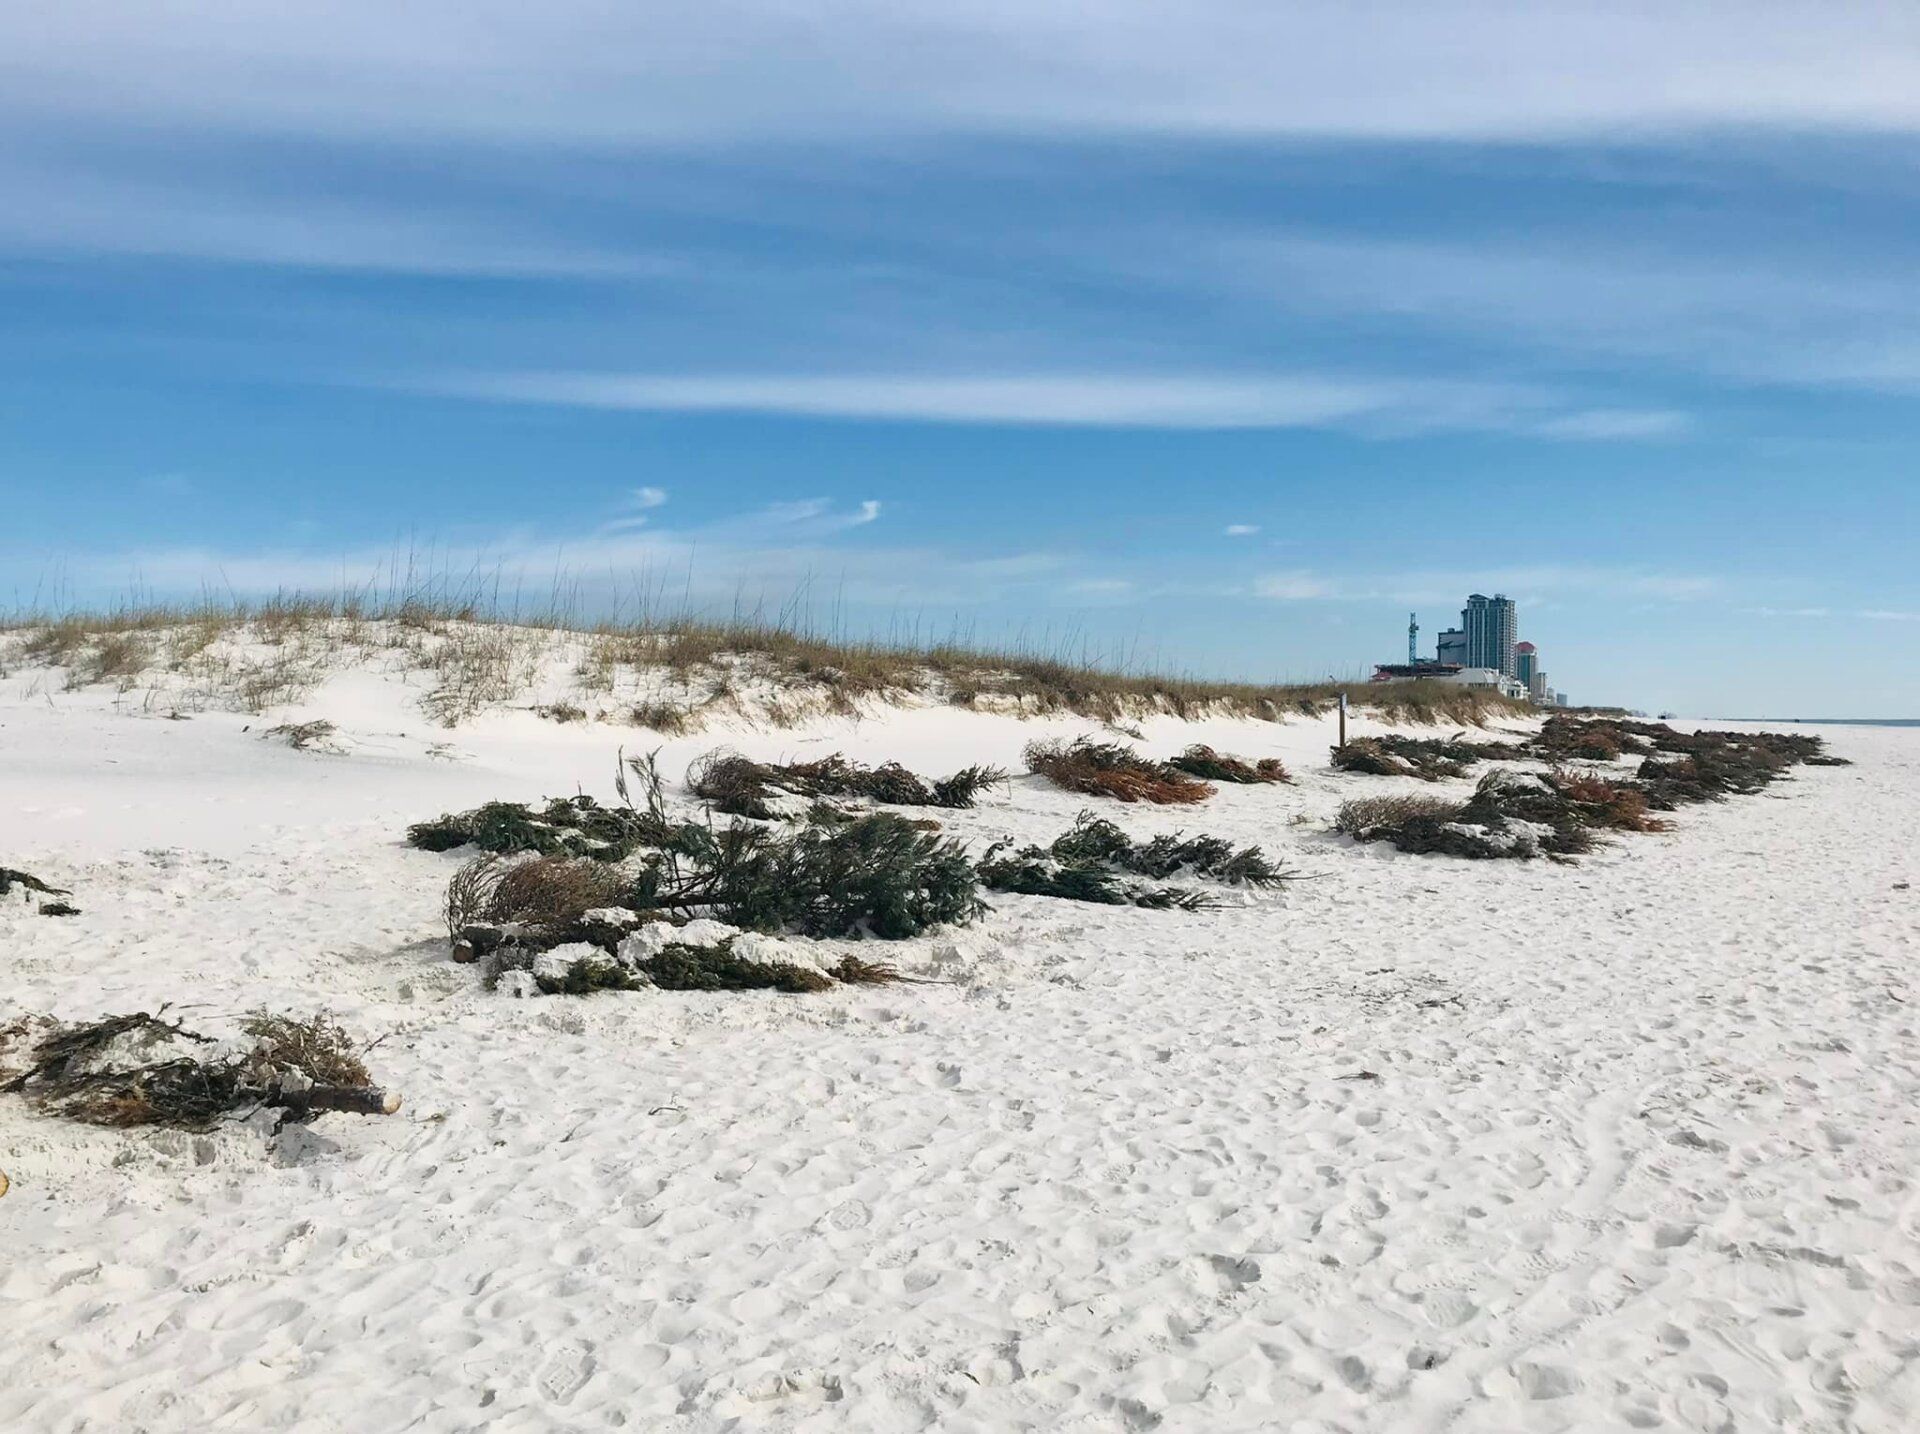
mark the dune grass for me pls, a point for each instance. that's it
(668, 673)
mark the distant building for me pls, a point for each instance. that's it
(1487, 677)
(1526, 667)
(1491, 627)
(1453, 647)
(1560, 699)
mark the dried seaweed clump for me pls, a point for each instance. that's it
(141, 1069)
(1105, 769)
(742, 787)
(1095, 861)
(1211, 766)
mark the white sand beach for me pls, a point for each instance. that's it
(1418, 1144)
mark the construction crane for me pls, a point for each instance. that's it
(1413, 639)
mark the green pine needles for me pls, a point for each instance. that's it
(1095, 861)
(740, 786)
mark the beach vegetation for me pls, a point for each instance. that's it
(1211, 766)
(1095, 861)
(669, 671)
(740, 786)
(1106, 769)
(142, 1069)
(717, 967)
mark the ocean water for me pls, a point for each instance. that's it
(1834, 721)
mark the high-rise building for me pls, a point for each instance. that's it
(1453, 646)
(1490, 627)
(1526, 667)
(1526, 661)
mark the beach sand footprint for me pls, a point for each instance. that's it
(566, 1373)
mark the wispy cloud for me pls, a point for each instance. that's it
(1240, 530)
(137, 204)
(1533, 584)
(814, 516)
(638, 510)
(1609, 423)
(1101, 590)
(1170, 400)
(1753, 316)
(582, 72)
(726, 565)
(1863, 614)
(1294, 587)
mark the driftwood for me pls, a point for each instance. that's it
(355, 1100)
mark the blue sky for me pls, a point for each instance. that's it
(1214, 336)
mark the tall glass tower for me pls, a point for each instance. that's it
(1491, 628)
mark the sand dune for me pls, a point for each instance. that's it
(1417, 1145)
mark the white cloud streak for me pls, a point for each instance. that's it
(1866, 614)
(1174, 401)
(1294, 587)
(716, 567)
(146, 208)
(1522, 584)
(814, 516)
(1757, 318)
(585, 72)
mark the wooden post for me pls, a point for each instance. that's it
(1343, 719)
